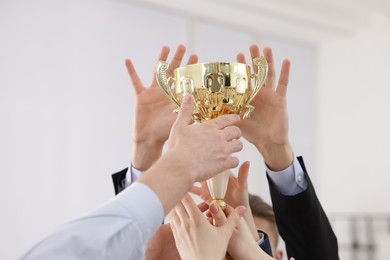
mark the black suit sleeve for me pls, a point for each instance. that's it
(117, 179)
(303, 224)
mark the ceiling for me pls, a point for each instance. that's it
(307, 21)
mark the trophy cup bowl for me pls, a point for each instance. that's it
(217, 88)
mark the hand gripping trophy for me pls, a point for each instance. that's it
(217, 88)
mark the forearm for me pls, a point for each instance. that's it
(106, 230)
(303, 224)
(253, 252)
(251, 223)
(244, 247)
(145, 154)
(169, 179)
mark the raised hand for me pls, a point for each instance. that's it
(236, 192)
(213, 142)
(195, 237)
(267, 128)
(236, 195)
(189, 147)
(241, 244)
(153, 112)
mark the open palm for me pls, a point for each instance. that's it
(154, 110)
(268, 124)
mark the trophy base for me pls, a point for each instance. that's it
(220, 202)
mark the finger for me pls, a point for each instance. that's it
(181, 212)
(283, 79)
(174, 224)
(208, 213)
(241, 58)
(135, 80)
(177, 58)
(191, 208)
(196, 190)
(240, 210)
(201, 193)
(255, 52)
(210, 220)
(229, 163)
(184, 117)
(217, 214)
(233, 219)
(163, 57)
(232, 182)
(205, 192)
(173, 217)
(225, 121)
(242, 178)
(164, 53)
(271, 67)
(193, 59)
(234, 146)
(232, 132)
(203, 206)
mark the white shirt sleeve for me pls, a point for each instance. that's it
(289, 181)
(132, 175)
(119, 229)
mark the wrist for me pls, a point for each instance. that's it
(165, 174)
(277, 156)
(252, 252)
(183, 170)
(148, 139)
(145, 154)
(248, 216)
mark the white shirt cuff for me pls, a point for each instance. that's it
(261, 240)
(289, 181)
(132, 175)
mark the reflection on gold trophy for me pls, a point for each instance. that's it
(217, 88)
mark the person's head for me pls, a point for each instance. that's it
(264, 218)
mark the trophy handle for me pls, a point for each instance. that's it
(163, 82)
(248, 112)
(260, 77)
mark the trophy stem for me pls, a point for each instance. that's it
(217, 186)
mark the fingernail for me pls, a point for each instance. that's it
(214, 208)
(241, 210)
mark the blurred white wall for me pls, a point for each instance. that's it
(353, 104)
(353, 126)
(66, 105)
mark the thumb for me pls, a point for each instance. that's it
(185, 114)
(242, 178)
(233, 219)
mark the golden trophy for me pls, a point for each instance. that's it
(217, 88)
